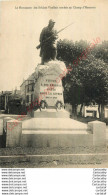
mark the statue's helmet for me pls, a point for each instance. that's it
(51, 21)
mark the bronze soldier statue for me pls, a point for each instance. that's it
(47, 40)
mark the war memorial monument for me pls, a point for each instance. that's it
(50, 125)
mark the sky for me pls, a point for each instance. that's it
(20, 30)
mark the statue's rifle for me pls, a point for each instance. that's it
(52, 35)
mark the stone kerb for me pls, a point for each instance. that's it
(99, 133)
(13, 133)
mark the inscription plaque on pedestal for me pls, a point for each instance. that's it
(48, 87)
(50, 90)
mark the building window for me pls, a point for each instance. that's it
(32, 88)
(27, 98)
(31, 97)
(27, 89)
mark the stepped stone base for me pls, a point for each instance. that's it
(51, 139)
(53, 124)
(51, 113)
(62, 132)
(55, 132)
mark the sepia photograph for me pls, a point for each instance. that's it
(54, 84)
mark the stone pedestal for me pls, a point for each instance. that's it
(48, 91)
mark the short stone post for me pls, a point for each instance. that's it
(5, 121)
(1, 132)
(4, 131)
(13, 133)
(99, 133)
(1, 126)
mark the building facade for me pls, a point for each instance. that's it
(27, 90)
(5, 96)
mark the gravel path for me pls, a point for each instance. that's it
(73, 150)
(53, 165)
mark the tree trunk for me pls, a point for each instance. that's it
(99, 106)
(81, 109)
(74, 110)
(102, 112)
